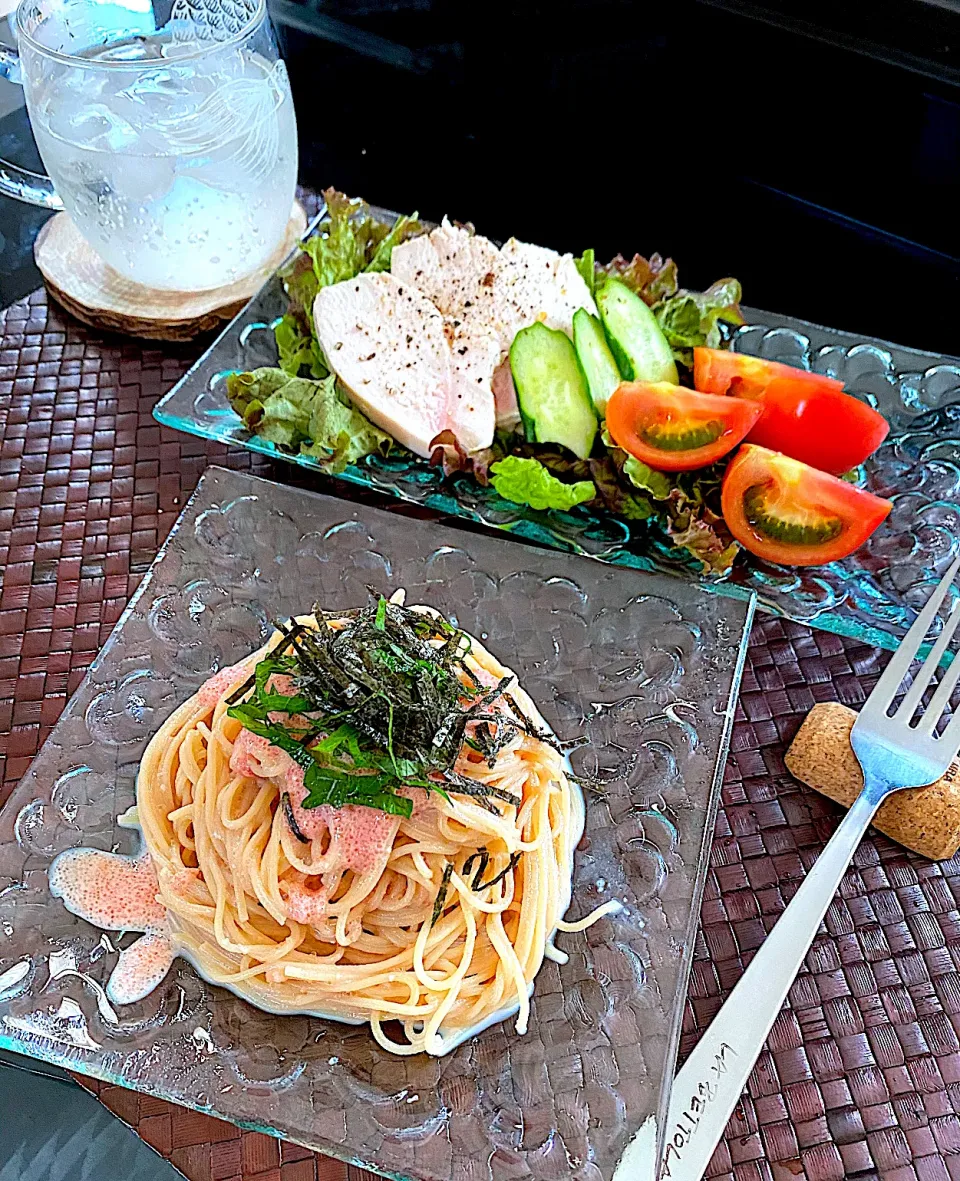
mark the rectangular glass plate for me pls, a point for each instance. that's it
(644, 668)
(871, 595)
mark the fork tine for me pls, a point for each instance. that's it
(941, 699)
(951, 736)
(886, 688)
(921, 681)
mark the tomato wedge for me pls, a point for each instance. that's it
(805, 415)
(673, 429)
(718, 371)
(786, 511)
(826, 428)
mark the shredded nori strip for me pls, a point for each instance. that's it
(442, 893)
(529, 727)
(382, 703)
(461, 785)
(241, 690)
(489, 739)
(332, 616)
(511, 864)
(483, 857)
(248, 684)
(566, 745)
(291, 818)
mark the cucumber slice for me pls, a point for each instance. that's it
(636, 341)
(552, 390)
(596, 360)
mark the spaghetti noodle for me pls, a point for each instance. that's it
(438, 920)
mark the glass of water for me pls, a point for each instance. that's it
(171, 143)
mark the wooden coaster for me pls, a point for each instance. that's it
(78, 279)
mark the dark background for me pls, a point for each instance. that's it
(813, 151)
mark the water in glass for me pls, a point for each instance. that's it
(173, 149)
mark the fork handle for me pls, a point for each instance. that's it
(708, 1086)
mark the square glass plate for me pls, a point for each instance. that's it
(871, 595)
(644, 669)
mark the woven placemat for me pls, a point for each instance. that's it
(861, 1076)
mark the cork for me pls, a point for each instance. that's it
(925, 819)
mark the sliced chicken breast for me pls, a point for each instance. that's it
(389, 346)
(471, 410)
(487, 295)
(534, 283)
(448, 265)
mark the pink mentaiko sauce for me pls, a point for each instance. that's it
(257, 757)
(360, 837)
(212, 690)
(140, 968)
(360, 840)
(118, 893)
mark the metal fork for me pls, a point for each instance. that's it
(893, 755)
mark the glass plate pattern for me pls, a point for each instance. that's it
(871, 595)
(645, 669)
